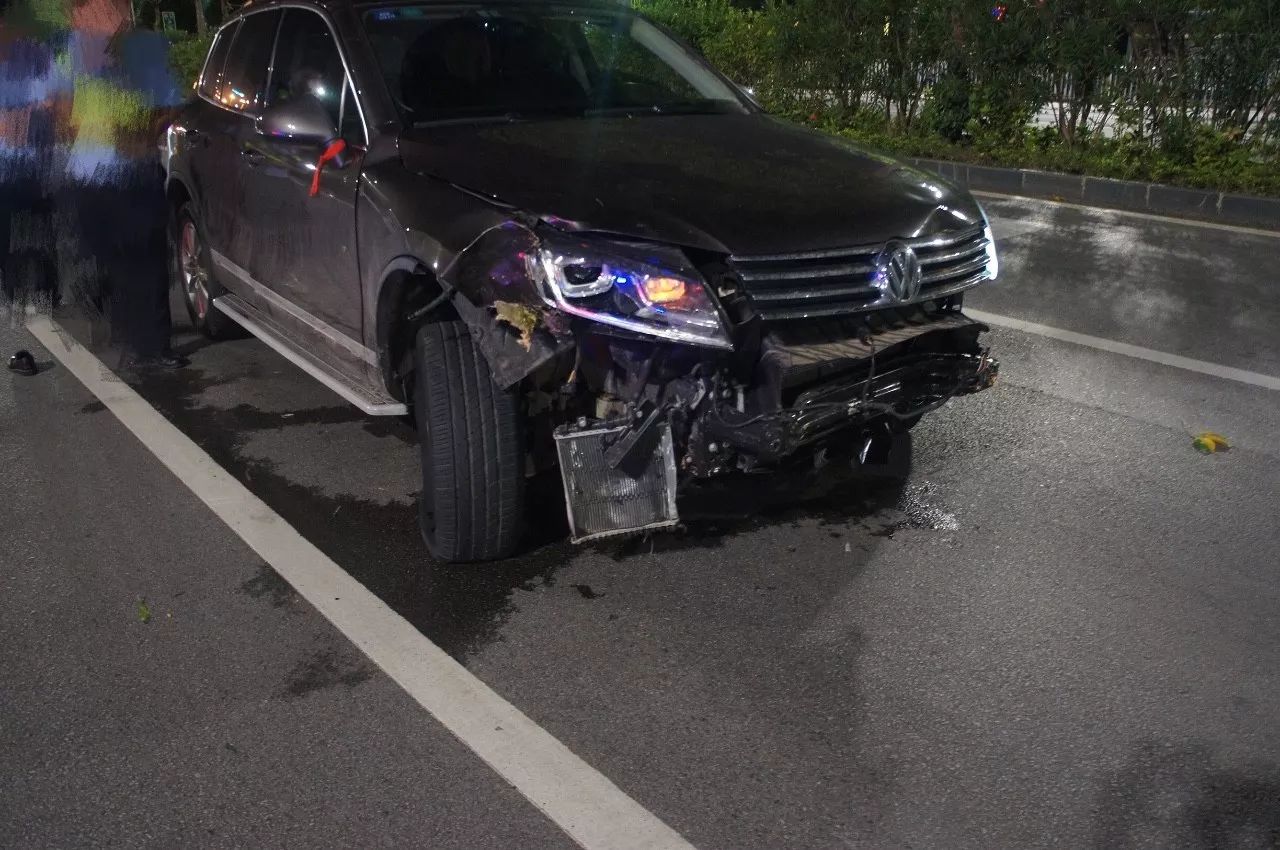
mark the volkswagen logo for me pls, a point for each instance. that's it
(898, 272)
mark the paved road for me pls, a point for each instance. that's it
(1049, 622)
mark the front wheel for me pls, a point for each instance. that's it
(190, 267)
(902, 426)
(470, 432)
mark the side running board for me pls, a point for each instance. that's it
(372, 400)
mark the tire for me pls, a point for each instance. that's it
(902, 426)
(189, 267)
(471, 436)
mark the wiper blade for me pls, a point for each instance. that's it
(508, 117)
(706, 107)
(504, 118)
(613, 111)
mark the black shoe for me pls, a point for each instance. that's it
(23, 363)
(171, 359)
(167, 359)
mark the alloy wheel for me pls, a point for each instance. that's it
(194, 278)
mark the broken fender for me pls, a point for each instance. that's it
(496, 294)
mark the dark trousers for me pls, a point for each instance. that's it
(27, 275)
(121, 224)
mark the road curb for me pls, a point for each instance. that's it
(1154, 198)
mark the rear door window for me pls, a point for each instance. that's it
(244, 84)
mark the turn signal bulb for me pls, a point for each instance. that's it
(663, 290)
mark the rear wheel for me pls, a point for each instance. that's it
(470, 432)
(190, 267)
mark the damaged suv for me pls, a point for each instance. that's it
(555, 236)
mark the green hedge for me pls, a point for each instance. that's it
(1189, 91)
(186, 57)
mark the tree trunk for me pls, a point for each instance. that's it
(201, 26)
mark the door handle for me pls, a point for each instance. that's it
(252, 157)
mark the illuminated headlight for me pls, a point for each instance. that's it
(647, 289)
(993, 260)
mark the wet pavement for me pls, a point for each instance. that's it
(1048, 621)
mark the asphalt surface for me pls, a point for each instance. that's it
(1049, 622)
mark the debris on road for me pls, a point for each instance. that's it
(586, 591)
(144, 611)
(1209, 443)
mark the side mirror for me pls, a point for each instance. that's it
(303, 120)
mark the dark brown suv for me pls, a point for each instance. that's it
(555, 236)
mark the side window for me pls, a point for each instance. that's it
(244, 85)
(307, 63)
(211, 79)
(350, 128)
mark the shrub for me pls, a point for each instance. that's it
(186, 57)
(1190, 95)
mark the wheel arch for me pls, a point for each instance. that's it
(177, 193)
(406, 284)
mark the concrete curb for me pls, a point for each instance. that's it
(1118, 194)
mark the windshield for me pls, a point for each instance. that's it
(508, 63)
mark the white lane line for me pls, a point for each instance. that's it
(1216, 370)
(1167, 219)
(575, 796)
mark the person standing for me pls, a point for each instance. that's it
(32, 110)
(123, 95)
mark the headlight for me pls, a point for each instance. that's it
(993, 260)
(647, 289)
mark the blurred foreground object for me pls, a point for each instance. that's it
(113, 192)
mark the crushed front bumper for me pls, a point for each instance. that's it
(802, 388)
(908, 389)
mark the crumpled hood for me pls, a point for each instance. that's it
(738, 184)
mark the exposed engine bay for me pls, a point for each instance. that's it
(663, 418)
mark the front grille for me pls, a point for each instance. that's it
(832, 283)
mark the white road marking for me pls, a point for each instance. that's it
(575, 796)
(1216, 370)
(1167, 219)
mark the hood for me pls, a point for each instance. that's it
(738, 184)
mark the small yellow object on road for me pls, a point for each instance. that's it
(1209, 443)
